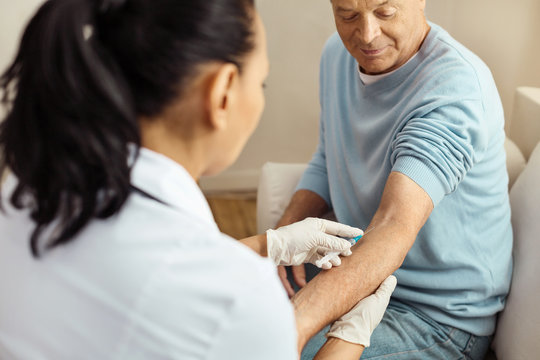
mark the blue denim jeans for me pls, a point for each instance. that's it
(406, 333)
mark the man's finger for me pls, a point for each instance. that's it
(282, 273)
(299, 275)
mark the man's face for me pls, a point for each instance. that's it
(381, 35)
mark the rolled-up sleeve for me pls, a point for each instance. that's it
(437, 150)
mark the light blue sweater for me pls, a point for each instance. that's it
(439, 120)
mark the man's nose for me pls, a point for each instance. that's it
(368, 29)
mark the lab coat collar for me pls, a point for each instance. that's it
(168, 181)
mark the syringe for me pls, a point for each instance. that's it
(333, 254)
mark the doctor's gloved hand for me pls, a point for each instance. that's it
(310, 240)
(358, 324)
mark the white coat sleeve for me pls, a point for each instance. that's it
(222, 302)
(261, 326)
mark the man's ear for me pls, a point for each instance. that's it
(220, 94)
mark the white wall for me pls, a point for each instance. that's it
(288, 131)
(14, 14)
(13, 17)
(505, 34)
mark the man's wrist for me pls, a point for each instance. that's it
(302, 337)
(306, 323)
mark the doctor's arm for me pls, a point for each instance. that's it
(403, 210)
(306, 241)
(304, 203)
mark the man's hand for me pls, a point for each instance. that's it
(299, 275)
(310, 240)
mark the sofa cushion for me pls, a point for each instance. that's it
(518, 328)
(525, 120)
(515, 162)
(276, 187)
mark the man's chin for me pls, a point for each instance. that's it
(375, 66)
(375, 70)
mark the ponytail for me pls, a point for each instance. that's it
(70, 119)
(85, 71)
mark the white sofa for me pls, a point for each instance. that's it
(518, 329)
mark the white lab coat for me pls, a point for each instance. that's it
(154, 281)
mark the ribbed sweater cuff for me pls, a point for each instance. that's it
(424, 175)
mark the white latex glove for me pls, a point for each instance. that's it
(357, 325)
(310, 240)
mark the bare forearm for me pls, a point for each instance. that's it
(304, 203)
(337, 349)
(389, 237)
(332, 293)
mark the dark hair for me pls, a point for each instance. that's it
(84, 72)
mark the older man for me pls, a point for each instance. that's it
(411, 148)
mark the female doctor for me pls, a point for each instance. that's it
(108, 249)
